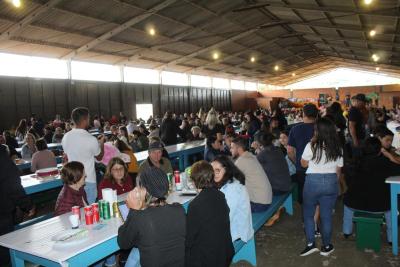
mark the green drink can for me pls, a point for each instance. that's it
(106, 210)
(100, 202)
(170, 179)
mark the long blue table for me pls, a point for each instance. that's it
(181, 151)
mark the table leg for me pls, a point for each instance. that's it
(394, 190)
(185, 160)
(15, 260)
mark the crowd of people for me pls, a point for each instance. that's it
(248, 158)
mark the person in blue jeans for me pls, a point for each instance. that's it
(323, 158)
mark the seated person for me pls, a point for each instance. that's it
(162, 244)
(275, 129)
(274, 164)
(283, 141)
(213, 148)
(195, 134)
(133, 166)
(208, 237)
(156, 159)
(29, 148)
(48, 135)
(386, 137)
(58, 135)
(10, 143)
(154, 131)
(257, 183)
(43, 158)
(230, 181)
(227, 143)
(158, 139)
(116, 178)
(139, 141)
(72, 193)
(12, 195)
(367, 190)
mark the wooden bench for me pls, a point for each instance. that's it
(247, 251)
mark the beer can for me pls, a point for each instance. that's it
(100, 208)
(116, 210)
(96, 213)
(88, 215)
(76, 210)
(106, 210)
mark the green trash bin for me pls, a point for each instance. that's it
(368, 230)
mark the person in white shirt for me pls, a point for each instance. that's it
(79, 145)
(256, 180)
(323, 158)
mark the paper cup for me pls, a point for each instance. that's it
(74, 220)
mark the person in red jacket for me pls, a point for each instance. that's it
(116, 178)
(72, 193)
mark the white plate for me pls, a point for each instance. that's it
(70, 237)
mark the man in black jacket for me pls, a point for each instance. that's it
(12, 195)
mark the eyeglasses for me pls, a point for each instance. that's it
(118, 169)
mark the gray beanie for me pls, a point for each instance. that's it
(155, 181)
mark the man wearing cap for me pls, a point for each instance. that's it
(156, 159)
(154, 230)
(299, 137)
(357, 121)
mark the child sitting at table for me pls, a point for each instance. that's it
(116, 178)
(72, 193)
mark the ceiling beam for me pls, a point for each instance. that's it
(220, 43)
(35, 14)
(119, 28)
(389, 12)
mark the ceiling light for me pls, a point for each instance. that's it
(253, 59)
(372, 33)
(16, 3)
(276, 67)
(152, 31)
(293, 74)
(368, 2)
(375, 57)
(377, 69)
(215, 55)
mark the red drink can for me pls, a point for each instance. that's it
(76, 210)
(177, 177)
(88, 215)
(96, 214)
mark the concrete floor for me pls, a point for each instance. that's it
(281, 244)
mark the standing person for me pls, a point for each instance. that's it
(79, 145)
(299, 137)
(323, 158)
(12, 195)
(358, 115)
(335, 112)
(169, 130)
(257, 182)
(212, 126)
(154, 230)
(208, 237)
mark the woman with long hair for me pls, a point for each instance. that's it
(21, 130)
(116, 178)
(213, 126)
(230, 181)
(323, 158)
